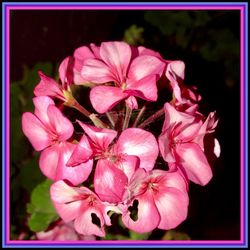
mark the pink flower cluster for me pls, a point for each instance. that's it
(123, 158)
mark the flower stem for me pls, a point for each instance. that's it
(152, 118)
(111, 120)
(127, 117)
(139, 116)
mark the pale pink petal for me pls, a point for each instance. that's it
(172, 205)
(174, 116)
(76, 174)
(48, 87)
(60, 192)
(188, 132)
(104, 98)
(128, 164)
(84, 223)
(109, 181)
(41, 104)
(165, 146)
(68, 211)
(96, 50)
(195, 163)
(148, 217)
(97, 71)
(175, 70)
(101, 137)
(35, 131)
(81, 153)
(63, 127)
(117, 56)
(145, 88)
(66, 72)
(132, 102)
(143, 66)
(217, 149)
(138, 142)
(80, 55)
(144, 51)
(48, 161)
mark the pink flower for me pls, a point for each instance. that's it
(116, 163)
(49, 87)
(62, 232)
(175, 73)
(48, 130)
(81, 205)
(181, 143)
(157, 199)
(132, 76)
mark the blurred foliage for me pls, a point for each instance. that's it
(41, 208)
(134, 35)
(175, 235)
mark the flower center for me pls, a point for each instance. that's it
(124, 86)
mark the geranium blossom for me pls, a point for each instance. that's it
(82, 206)
(162, 201)
(48, 131)
(116, 163)
(181, 142)
(132, 76)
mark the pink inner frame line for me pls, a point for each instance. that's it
(135, 7)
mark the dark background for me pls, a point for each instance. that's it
(207, 41)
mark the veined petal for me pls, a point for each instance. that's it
(101, 137)
(35, 131)
(148, 217)
(172, 205)
(104, 98)
(81, 153)
(48, 87)
(174, 116)
(117, 56)
(41, 104)
(143, 66)
(63, 127)
(76, 174)
(145, 88)
(84, 223)
(48, 161)
(68, 211)
(97, 71)
(60, 192)
(138, 142)
(66, 72)
(189, 132)
(109, 181)
(195, 163)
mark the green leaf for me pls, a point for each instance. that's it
(136, 236)
(134, 35)
(41, 208)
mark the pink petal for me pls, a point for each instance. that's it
(188, 132)
(117, 56)
(48, 87)
(84, 225)
(217, 149)
(60, 192)
(76, 174)
(195, 163)
(145, 88)
(175, 70)
(144, 51)
(128, 164)
(97, 71)
(148, 215)
(109, 181)
(41, 104)
(138, 142)
(143, 66)
(165, 146)
(68, 211)
(172, 205)
(81, 153)
(101, 137)
(35, 131)
(48, 161)
(80, 55)
(132, 102)
(66, 72)
(104, 98)
(174, 116)
(63, 127)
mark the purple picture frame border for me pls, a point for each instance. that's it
(7, 7)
